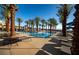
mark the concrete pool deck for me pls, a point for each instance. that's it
(36, 46)
(29, 47)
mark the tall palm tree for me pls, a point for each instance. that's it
(6, 14)
(46, 25)
(19, 20)
(12, 11)
(27, 24)
(32, 25)
(43, 22)
(63, 13)
(75, 42)
(52, 22)
(1, 23)
(37, 20)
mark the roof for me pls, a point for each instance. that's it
(70, 23)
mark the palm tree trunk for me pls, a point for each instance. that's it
(64, 20)
(37, 28)
(32, 28)
(50, 29)
(64, 27)
(8, 25)
(2, 27)
(46, 27)
(42, 27)
(29, 28)
(75, 42)
(19, 26)
(12, 8)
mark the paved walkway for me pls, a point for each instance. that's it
(27, 47)
(37, 46)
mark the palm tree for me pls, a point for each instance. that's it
(6, 13)
(1, 22)
(43, 22)
(27, 23)
(52, 22)
(63, 13)
(32, 25)
(46, 25)
(75, 42)
(37, 19)
(12, 11)
(19, 20)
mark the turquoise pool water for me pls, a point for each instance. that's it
(41, 35)
(38, 34)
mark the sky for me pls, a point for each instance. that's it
(44, 11)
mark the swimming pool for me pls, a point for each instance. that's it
(40, 34)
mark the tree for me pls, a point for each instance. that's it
(52, 22)
(1, 23)
(27, 24)
(6, 14)
(75, 42)
(37, 19)
(12, 11)
(46, 25)
(19, 20)
(32, 25)
(43, 22)
(63, 13)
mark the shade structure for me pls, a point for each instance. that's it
(70, 25)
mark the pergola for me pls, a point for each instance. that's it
(70, 25)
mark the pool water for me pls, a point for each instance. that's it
(40, 34)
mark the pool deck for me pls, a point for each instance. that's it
(37, 46)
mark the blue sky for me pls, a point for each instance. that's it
(44, 11)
